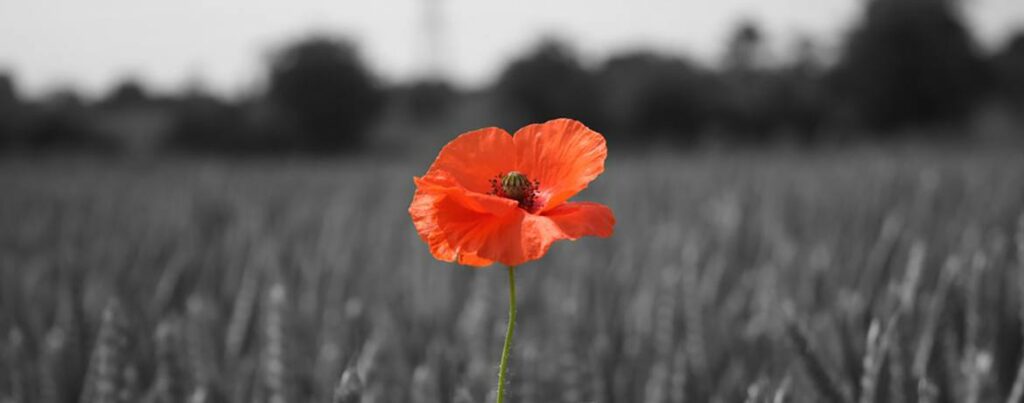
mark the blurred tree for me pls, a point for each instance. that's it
(10, 113)
(910, 62)
(549, 83)
(326, 93)
(430, 100)
(1008, 64)
(744, 52)
(799, 101)
(64, 123)
(749, 91)
(128, 92)
(205, 123)
(8, 93)
(648, 95)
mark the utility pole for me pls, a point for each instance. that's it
(431, 35)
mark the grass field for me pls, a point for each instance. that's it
(855, 276)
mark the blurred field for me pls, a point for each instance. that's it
(851, 276)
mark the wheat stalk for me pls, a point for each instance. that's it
(677, 381)
(1017, 390)
(51, 368)
(782, 391)
(15, 352)
(462, 395)
(275, 375)
(880, 337)
(200, 352)
(349, 388)
(872, 363)
(242, 313)
(755, 391)
(926, 340)
(103, 381)
(926, 391)
(813, 365)
(171, 380)
(424, 388)
(973, 356)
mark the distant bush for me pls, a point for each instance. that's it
(128, 92)
(325, 93)
(549, 83)
(910, 62)
(64, 122)
(11, 112)
(207, 124)
(749, 89)
(798, 102)
(647, 95)
(1009, 70)
(655, 97)
(430, 100)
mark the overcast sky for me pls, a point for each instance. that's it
(223, 43)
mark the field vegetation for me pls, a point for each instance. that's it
(855, 276)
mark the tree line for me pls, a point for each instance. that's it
(906, 65)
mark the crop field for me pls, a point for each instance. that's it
(853, 276)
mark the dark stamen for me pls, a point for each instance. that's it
(516, 186)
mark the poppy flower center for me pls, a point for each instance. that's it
(516, 186)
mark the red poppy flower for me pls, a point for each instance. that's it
(492, 197)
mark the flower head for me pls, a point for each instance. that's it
(493, 197)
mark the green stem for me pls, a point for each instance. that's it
(503, 368)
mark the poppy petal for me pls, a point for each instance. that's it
(563, 155)
(468, 259)
(519, 237)
(479, 234)
(537, 233)
(476, 157)
(455, 214)
(443, 182)
(511, 240)
(424, 217)
(579, 219)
